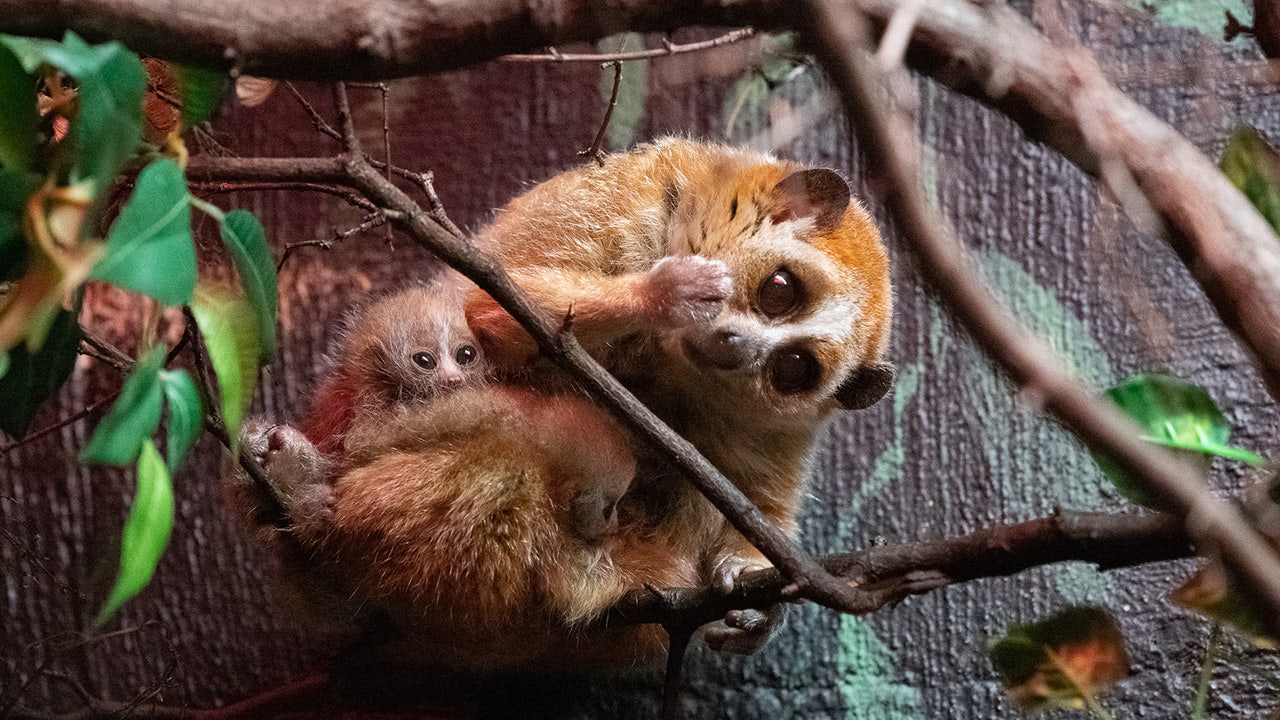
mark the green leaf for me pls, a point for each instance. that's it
(133, 417)
(18, 116)
(200, 90)
(230, 334)
(247, 241)
(29, 52)
(32, 377)
(111, 81)
(15, 187)
(1176, 414)
(1252, 165)
(186, 415)
(1065, 661)
(108, 127)
(149, 248)
(146, 532)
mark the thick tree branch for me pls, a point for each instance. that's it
(887, 574)
(984, 50)
(842, 38)
(365, 39)
(1059, 96)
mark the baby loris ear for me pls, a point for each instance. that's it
(820, 194)
(865, 385)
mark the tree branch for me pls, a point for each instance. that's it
(887, 574)
(842, 39)
(366, 40)
(984, 50)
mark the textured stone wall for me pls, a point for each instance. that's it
(951, 450)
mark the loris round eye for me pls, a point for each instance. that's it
(425, 360)
(778, 293)
(466, 355)
(793, 370)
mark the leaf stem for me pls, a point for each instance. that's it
(1206, 673)
(208, 208)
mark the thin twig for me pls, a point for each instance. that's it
(838, 32)
(112, 355)
(596, 151)
(78, 415)
(678, 637)
(346, 126)
(667, 49)
(345, 194)
(321, 125)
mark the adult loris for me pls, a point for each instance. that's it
(742, 297)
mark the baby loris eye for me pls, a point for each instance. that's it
(425, 360)
(778, 293)
(466, 354)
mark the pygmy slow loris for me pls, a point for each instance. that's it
(478, 520)
(743, 298)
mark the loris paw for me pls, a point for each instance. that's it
(687, 289)
(743, 632)
(726, 571)
(292, 464)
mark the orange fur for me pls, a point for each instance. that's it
(600, 240)
(458, 519)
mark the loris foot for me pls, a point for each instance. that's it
(297, 473)
(742, 632)
(687, 289)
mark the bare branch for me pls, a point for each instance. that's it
(889, 144)
(885, 574)
(666, 50)
(366, 40)
(596, 151)
(889, 573)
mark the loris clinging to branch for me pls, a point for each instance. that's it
(741, 297)
(478, 520)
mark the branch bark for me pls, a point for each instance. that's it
(984, 50)
(359, 40)
(885, 575)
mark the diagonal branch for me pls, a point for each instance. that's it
(842, 39)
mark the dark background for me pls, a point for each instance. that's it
(950, 451)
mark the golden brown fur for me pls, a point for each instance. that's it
(662, 254)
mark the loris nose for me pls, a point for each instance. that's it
(722, 349)
(450, 375)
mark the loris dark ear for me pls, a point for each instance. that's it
(865, 386)
(819, 194)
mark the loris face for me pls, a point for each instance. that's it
(417, 346)
(810, 313)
